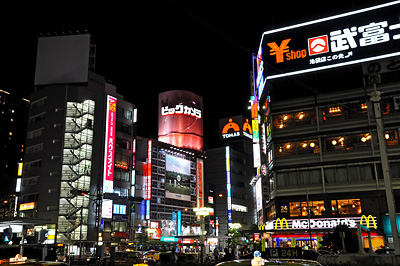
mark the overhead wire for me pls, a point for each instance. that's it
(252, 54)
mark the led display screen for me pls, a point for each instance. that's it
(350, 38)
(177, 183)
(180, 119)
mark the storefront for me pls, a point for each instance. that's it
(284, 232)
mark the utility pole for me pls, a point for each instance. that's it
(375, 99)
(309, 220)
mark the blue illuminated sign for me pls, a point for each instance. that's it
(119, 209)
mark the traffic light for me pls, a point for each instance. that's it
(42, 235)
(7, 234)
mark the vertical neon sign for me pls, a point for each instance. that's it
(200, 187)
(148, 170)
(228, 185)
(179, 223)
(111, 111)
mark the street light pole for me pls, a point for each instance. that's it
(375, 99)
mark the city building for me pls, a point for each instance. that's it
(14, 112)
(78, 162)
(229, 171)
(169, 175)
(323, 151)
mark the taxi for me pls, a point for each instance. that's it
(258, 260)
(280, 262)
(152, 255)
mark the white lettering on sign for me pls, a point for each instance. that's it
(181, 109)
(230, 135)
(325, 223)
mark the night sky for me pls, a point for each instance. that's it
(154, 46)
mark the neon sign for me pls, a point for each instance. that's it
(319, 223)
(148, 170)
(236, 126)
(228, 185)
(359, 36)
(200, 188)
(111, 112)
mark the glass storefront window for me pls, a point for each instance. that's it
(346, 206)
(294, 208)
(317, 208)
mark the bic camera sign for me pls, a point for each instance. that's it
(350, 38)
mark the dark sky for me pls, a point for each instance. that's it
(147, 47)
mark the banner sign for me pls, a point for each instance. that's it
(111, 112)
(350, 38)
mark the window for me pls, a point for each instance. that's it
(34, 164)
(346, 206)
(295, 209)
(118, 227)
(38, 103)
(37, 118)
(123, 144)
(34, 148)
(30, 181)
(35, 133)
(124, 113)
(317, 208)
(124, 128)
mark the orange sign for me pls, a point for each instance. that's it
(236, 126)
(27, 206)
(278, 51)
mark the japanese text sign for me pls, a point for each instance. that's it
(350, 38)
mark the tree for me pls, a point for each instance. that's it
(234, 240)
(333, 242)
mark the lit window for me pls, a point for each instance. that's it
(334, 110)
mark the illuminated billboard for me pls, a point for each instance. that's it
(233, 127)
(111, 112)
(349, 38)
(177, 183)
(180, 119)
(200, 183)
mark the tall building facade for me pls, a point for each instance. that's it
(13, 115)
(75, 177)
(319, 139)
(229, 171)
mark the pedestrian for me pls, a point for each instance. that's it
(216, 253)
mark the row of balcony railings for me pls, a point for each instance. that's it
(354, 142)
(339, 113)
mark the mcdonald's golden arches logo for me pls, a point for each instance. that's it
(363, 217)
(281, 221)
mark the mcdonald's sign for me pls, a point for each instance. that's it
(366, 218)
(281, 221)
(319, 223)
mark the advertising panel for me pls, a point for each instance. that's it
(233, 127)
(349, 38)
(177, 184)
(111, 112)
(180, 119)
(200, 183)
(147, 170)
(62, 59)
(228, 184)
(320, 223)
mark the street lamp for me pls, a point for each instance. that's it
(202, 212)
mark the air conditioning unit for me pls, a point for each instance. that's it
(396, 103)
